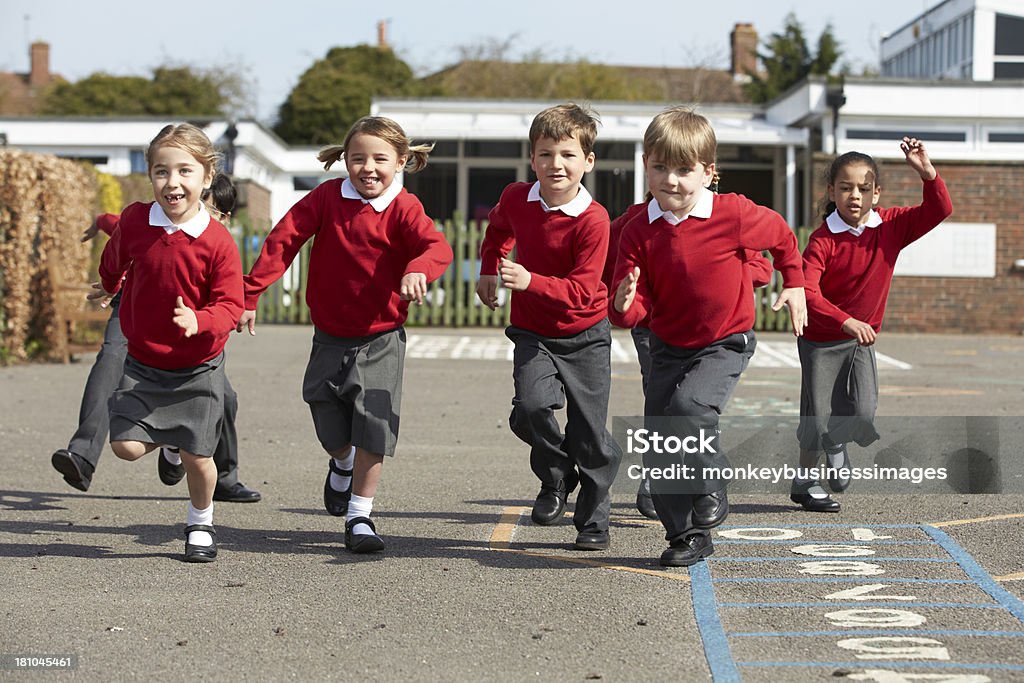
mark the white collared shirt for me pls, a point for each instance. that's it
(349, 191)
(576, 206)
(193, 227)
(702, 209)
(836, 224)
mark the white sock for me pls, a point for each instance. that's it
(204, 517)
(836, 458)
(340, 482)
(360, 507)
(171, 455)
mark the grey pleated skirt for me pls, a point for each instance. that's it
(182, 408)
(838, 394)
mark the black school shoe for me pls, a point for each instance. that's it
(169, 474)
(592, 540)
(76, 470)
(362, 543)
(200, 553)
(688, 551)
(550, 504)
(336, 502)
(644, 502)
(802, 497)
(236, 493)
(710, 509)
(812, 504)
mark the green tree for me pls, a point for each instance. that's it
(336, 91)
(789, 60)
(170, 91)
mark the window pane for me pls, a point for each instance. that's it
(434, 186)
(494, 148)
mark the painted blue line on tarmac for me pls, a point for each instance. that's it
(957, 605)
(818, 558)
(879, 665)
(712, 634)
(974, 570)
(841, 579)
(877, 632)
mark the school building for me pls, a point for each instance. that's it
(966, 276)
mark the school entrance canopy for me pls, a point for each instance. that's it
(482, 145)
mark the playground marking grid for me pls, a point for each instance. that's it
(856, 589)
(498, 347)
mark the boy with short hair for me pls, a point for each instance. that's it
(682, 262)
(559, 320)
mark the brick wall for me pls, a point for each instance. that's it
(982, 192)
(256, 200)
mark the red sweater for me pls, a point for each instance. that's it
(849, 277)
(693, 278)
(564, 255)
(107, 222)
(357, 261)
(757, 266)
(205, 272)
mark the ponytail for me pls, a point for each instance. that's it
(330, 154)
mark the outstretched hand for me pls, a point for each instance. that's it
(101, 295)
(487, 290)
(917, 158)
(91, 232)
(625, 293)
(185, 318)
(795, 299)
(413, 287)
(860, 330)
(248, 319)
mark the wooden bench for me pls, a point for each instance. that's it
(71, 307)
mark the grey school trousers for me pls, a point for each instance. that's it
(575, 373)
(693, 386)
(104, 377)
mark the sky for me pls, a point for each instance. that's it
(273, 43)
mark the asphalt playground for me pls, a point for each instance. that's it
(904, 584)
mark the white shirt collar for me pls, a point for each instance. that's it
(836, 224)
(349, 191)
(574, 207)
(193, 227)
(702, 209)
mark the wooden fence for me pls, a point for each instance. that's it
(451, 300)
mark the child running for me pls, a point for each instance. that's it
(180, 303)
(757, 266)
(848, 269)
(682, 262)
(78, 461)
(560, 328)
(375, 251)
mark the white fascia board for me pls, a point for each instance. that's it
(24, 132)
(804, 102)
(507, 120)
(935, 100)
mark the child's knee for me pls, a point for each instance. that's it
(128, 450)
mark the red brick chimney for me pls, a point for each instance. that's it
(744, 51)
(39, 60)
(382, 34)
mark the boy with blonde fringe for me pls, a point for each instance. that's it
(682, 262)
